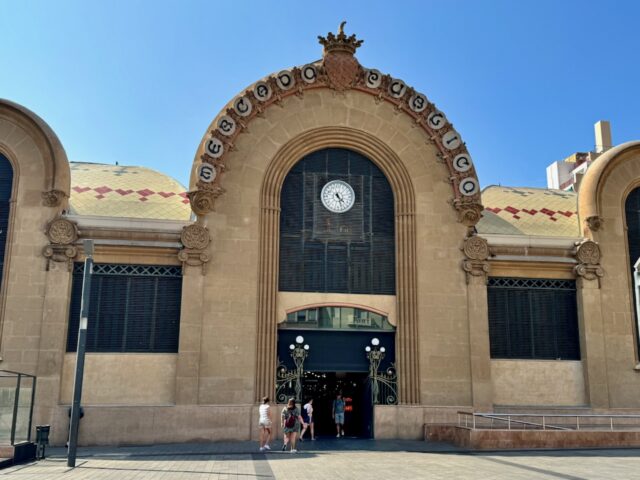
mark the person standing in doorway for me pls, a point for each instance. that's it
(291, 421)
(307, 416)
(338, 414)
(264, 423)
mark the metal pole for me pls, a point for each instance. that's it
(33, 400)
(16, 398)
(82, 342)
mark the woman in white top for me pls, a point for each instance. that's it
(264, 422)
(307, 416)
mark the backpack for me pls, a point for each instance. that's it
(290, 422)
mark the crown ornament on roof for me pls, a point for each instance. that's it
(340, 42)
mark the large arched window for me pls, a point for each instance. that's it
(339, 238)
(6, 184)
(632, 215)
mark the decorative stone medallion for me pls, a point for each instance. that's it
(476, 249)
(587, 253)
(195, 237)
(62, 234)
(62, 231)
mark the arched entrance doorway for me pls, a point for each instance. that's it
(326, 350)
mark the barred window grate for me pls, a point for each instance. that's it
(131, 270)
(532, 318)
(632, 216)
(133, 308)
(6, 185)
(538, 283)
(324, 251)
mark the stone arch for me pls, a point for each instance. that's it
(601, 200)
(340, 71)
(591, 201)
(18, 124)
(406, 275)
(40, 191)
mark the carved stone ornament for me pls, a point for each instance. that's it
(469, 212)
(195, 237)
(340, 66)
(587, 253)
(203, 201)
(62, 234)
(62, 231)
(194, 258)
(476, 249)
(339, 70)
(594, 222)
(53, 198)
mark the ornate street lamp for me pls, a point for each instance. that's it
(375, 355)
(299, 353)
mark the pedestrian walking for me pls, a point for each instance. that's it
(291, 421)
(265, 424)
(307, 416)
(338, 414)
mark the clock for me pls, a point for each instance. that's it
(337, 196)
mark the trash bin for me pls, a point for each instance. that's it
(42, 439)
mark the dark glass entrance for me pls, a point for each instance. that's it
(333, 361)
(323, 387)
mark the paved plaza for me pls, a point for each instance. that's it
(329, 459)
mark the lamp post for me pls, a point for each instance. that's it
(299, 353)
(82, 343)
(375, 355)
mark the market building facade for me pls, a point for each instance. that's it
(334, 237)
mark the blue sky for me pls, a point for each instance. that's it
(138, 82)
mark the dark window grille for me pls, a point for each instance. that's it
(6, 185)
(133, 308)
(632, 216)
(532, 318)
(322, 251)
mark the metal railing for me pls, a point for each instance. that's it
(533, 421)
(17, 395)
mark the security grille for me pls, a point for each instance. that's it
(135, 270)
(323, 251)
(133, 308)
(632, 215)
(6, 185)
(533, 318)
(538, 283)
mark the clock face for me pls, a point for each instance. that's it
(338, 196)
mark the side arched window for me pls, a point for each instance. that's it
(337, 226)
(632, 216)
(6, 185)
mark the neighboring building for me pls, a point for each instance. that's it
(329, 202)
(568, 173)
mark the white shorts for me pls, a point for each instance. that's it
(264, 423)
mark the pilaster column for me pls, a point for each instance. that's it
(476, 267)
(593, 349)
(196, 241)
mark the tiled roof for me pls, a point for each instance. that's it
(529, 211)
(119, 191)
